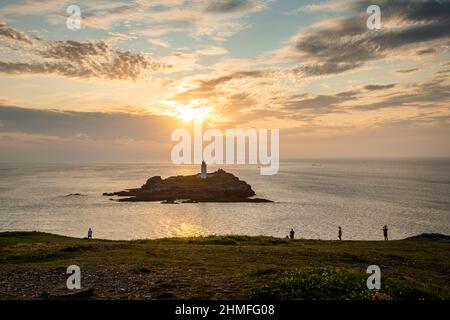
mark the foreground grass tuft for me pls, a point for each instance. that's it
(326, 284)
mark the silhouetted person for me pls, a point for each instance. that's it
(385, 233)
(340, 233)
(90, 233)
(291, 234)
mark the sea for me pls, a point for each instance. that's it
(313, 197)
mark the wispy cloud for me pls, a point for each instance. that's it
(405, 71)
(334, 5)
(217, 19)
(212, 51)
(342, 44)
(12, 34)
(95, 125)
(232, 6)
(79, 59)
(431, 94)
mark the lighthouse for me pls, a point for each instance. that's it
(204, 172)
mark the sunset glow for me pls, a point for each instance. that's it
(137, 70)
(193, 112)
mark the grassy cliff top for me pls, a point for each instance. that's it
(33, 265)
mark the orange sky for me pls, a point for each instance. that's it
(136, 70)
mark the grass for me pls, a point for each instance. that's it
(223, 267)
(328, 284)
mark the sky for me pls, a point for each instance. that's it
(116, 88)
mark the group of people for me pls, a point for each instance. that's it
(291, 233)
(385, 233)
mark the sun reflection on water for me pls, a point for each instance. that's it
(189, 230)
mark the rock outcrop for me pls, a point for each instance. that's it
(220, 186)
(434, 237)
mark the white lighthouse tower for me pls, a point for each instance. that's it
(204, 172)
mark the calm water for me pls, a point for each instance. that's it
(313, 197)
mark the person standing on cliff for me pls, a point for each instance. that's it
(90, 233)
(340, 233)
(292, 234)
(385, 233)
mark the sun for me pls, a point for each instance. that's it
(196, 110)
(188, 113)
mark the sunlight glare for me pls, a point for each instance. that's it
(196, 110)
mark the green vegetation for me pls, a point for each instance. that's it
(325, 284)
(229, 267)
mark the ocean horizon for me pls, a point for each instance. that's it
(312, 196)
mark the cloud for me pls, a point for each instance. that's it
(230, 6)
(66, 69)
(319, 104)
(213, 51)
(32, 7)
(379, 87)
(212, 83)
(403, 71)
(426, 51)
(100, 60)
(73, 50)
(444, 74)
(105, 126)
(217, 19)
(159, 43)
(318, 69)
(12, 34)
(82, 60)
(207, 88)
(335, 5)
(117, 37)
(432, 94)
(229, 94)
(342, 44)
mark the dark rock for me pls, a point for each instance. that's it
(61, 270)
(141, 270)
(169, 202)
(189, 201)
(165, 295)
(220, 186)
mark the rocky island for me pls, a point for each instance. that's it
(219, 186)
